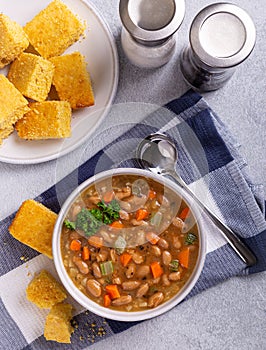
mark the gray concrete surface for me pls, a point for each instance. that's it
(231, 315)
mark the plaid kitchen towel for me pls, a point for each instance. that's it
(209, 162)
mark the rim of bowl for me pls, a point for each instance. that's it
(88, 303)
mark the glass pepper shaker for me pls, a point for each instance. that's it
(148, 32)
(222, 35)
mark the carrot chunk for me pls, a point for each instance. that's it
(125, 258)
(184, 213)
(113, 291)
(106, 300)
(117, 224)
(75, 245)
(152, 237)
(108, 196)
(96, 241)
(152, 194)
(141, 214)
(156, 269)
(183, 257)
(85, 253)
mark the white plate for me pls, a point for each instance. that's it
(99, 49)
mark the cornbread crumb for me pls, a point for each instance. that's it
(33, 225)
(32, 75)
(57, 325)
(48, 119)
(12, 104)
(54, 29)
(4, 133)
(44, 291)
(13, 40)
(72, 80)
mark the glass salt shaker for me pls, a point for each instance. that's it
(222, 35)
(148, 32)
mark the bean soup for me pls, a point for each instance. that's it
(129, 243)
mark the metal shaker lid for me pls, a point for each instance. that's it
(152, 20)
(222, 35)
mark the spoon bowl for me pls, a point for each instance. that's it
(158, 153)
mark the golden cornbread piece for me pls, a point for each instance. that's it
(4, 133)
(33, 225)
(13, 40)
(54, 29)
(72, 80)
(46, 120)
(32, 75)
(57, 326)
(44, 291)
(12, 103)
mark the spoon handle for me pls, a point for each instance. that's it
(239, 247)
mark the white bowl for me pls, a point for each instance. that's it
(89, 304)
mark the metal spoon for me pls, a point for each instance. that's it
(159, 154)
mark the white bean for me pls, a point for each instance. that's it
(96, 270)
(174, 276)
(81, 265)
(94, 288)
(176, 242)
(116, 280)
(130, 285)
(156, 250)
(137, 258)
(165, 280)
(143, 289)
(167, 257)
(155, 299)
(177, 222)
(124, 300)
(142, 271)
(123, 215)
(131, 270)
(163, 243)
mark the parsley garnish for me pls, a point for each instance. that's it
(190, 239)
(70, 225)
(110, 211)
(90, 220)
(174, 266)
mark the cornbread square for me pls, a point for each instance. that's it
(72, 80)
(57, 326)
(12, 103)
(32, 75)
(54, 29)
(33, 225)
(46, 120)
(4, 133)
(13, 40)
(44, 291)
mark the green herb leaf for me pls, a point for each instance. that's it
(90, 220)
(190, 238)
(70, 225)
(174, 265)
(110, 211)
(87, 222)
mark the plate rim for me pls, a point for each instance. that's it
(106, 108)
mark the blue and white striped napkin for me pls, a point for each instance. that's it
(209, 162)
